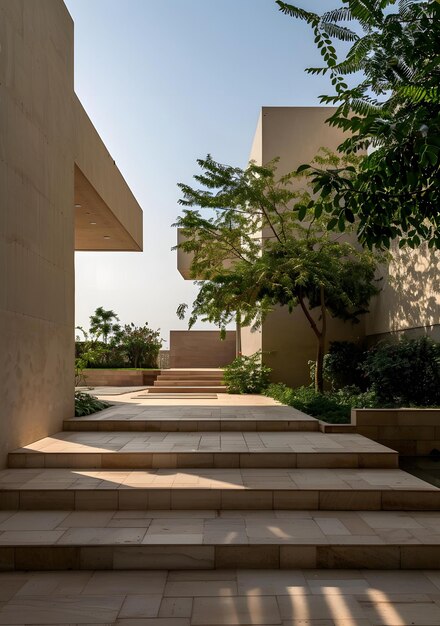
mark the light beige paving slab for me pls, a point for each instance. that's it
(291, 598)
(330, 528)
(309, 442)
(237, 610)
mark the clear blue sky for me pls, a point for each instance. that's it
(166, 82)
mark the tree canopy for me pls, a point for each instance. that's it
(253, 252)
(392, 111)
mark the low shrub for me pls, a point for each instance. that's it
(246, 374)
(334, 407)
(342, 365)
(85, 404)
(405, 373)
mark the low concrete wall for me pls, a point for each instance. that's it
(201, 348)
(412, 432)
(119, 378)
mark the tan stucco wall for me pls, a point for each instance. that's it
(294, 135)
(410, 295)
(289, 343)
(251, 341)
(43, 131)
(409, 301)
(184, 259)
(201, 348)
(36, 220)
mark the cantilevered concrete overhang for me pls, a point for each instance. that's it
(184, 259)
(107, 215)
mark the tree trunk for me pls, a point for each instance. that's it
(320, 338)
(238, 334)
(319, 375)
(319, 370)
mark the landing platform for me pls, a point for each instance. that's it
(204, 449)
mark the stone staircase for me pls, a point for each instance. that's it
(189, 381)
(167, 486)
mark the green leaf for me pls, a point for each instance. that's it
(349, 215)
(302, 168)
(302, 212)
(318, 210)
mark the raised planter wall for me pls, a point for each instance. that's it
(412, 432)
(119, 378)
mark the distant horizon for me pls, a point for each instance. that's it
(166, 84)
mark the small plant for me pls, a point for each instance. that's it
(333, 407)
(246, 374)
(342, 365)
(86, 404)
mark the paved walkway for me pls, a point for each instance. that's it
(222, 598)
(212, 489)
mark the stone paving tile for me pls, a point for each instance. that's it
(206, 478)
(219, 527)
(237, 610)
(215, 598)
(300, 442)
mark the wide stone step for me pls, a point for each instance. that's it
(187, 389)
(220, 489)
(302, 423)
(136, 450)
(184, 397)
(215, 382)
(192, 376)
(191, 373)
(105, 540)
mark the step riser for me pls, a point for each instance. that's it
(193, 376)
(159, 460)
(141, 499)
(190, 373)
(192, 383)
(191, 426)
(178, 389)
(200, 557)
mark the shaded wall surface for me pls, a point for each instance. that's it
(36, 221)
(294, 135)
(409, 301)
(44, 197)
(201, 348)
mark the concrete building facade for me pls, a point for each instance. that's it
(409, 301)
(60, 191)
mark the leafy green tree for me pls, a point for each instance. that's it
(102, 324)
(140, 345)
(392, 112)
(253, 252)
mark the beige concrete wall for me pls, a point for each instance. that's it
(410, 296)
(36, 220)
(289, 343)
(201, 348)
(294, 135)
(184, 259)
(251, 341)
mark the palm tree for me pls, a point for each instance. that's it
(102, 323)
